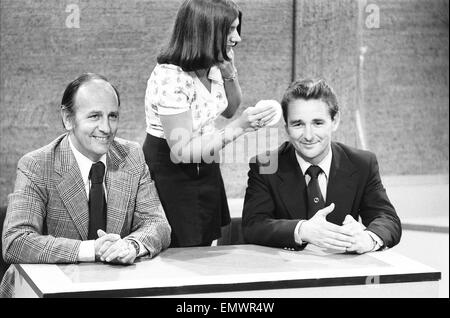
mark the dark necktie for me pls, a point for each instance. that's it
(97, 202)
(315, 199)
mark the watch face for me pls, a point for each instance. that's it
(135, 246)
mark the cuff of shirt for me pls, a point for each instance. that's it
(297, 238)
(87, 251)
(376, 238)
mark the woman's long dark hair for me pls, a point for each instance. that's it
(199, 36)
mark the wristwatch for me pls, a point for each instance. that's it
(135, 245)
(232, 77)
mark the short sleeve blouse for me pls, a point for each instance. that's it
(170, 91)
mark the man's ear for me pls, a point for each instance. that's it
(67, 119)
(336, 121)
(286, 126)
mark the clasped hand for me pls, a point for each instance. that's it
(363, 240)
(111, 248)
(349, 237)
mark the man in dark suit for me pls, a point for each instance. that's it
(321, 188)
(88, 195)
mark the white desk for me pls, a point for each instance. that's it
(236, 271)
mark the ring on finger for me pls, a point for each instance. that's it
(259, 123)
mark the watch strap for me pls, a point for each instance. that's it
(135, 246)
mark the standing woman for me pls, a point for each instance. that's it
(194, 82)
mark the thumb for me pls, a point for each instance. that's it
(326, 210)
(101, 233)
(348, 219)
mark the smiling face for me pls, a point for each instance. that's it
(94, 123)
(310, 126)
(233, 37)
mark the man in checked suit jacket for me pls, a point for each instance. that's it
(276, 208)
(47, 220)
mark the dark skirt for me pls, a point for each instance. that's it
(192, 195)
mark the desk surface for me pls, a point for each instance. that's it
(179, 271)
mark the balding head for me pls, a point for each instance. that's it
(97, 91)
(68, 103)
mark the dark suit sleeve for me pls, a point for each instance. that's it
(376, 211)
(260, 222)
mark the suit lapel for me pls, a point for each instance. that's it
(71, 188)
(342, 185)
(292, 184)
(118, 186)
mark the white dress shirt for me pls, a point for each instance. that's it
(87, 248)
(85, 164)
(325, 165)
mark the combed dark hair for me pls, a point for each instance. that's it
(310, 89)
(200, 34)
(68, 100)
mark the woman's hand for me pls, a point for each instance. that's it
(227, 68)
(253, 118)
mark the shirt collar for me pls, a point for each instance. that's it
(325, 164)
(215, 74)
(84, 163)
